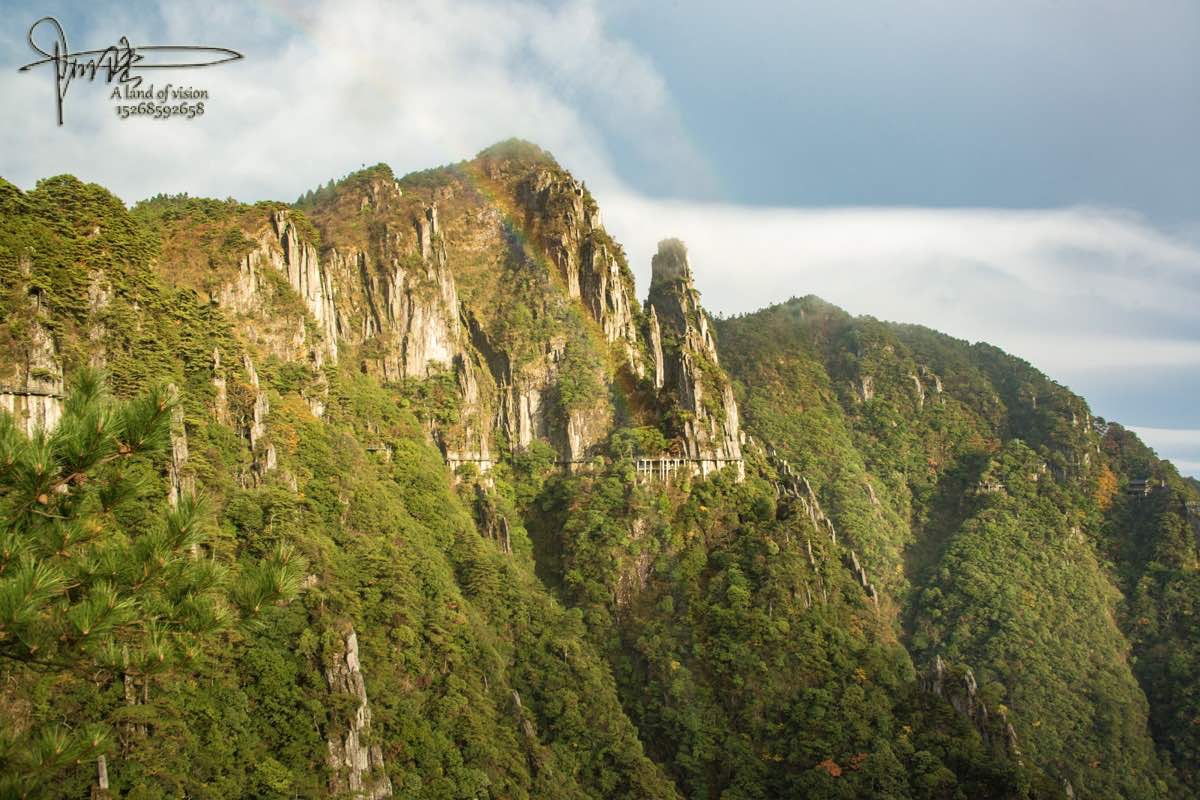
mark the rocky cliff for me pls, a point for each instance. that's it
(355, 762)
(441, 391)
(497, 275)
(31, 384)
(686, 364)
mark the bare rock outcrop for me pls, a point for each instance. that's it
(280, 247)
(654, 334)
(355, 763)
(302, 266)
(33, 393)
(265, 458)
(400, 296)
(590, 266)
(959, 689)
(180, 481)
(691, 370)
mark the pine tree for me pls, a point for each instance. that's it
(97, 574)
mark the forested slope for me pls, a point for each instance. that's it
(557, 542)
(1003, 512)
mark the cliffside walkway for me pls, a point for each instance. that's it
(27, 392)
(664, 468)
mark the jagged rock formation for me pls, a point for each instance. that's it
(654, 334)
(401, 297)
(959, 689)
(458, 307)
(577, 245)
(220, 389)
(356, 765)
(265, 458)
(690, 367)
(280, 247)
(473, 440)
(304, 273)
(33, 390)
(387, 291)
(396, 297)
(795, 488)
(180, 481)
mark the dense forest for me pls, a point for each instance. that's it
(400, 491)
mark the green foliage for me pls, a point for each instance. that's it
(1152, 542)
(1023, 599)
(518, 150)
(355, 181)
(435, 399)
(747, 668)
(94, 581)
(578, 382)
(970, 484)
(449, 626)
(538, 632)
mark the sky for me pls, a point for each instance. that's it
(1019, 172)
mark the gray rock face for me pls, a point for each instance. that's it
(473, 443)
(265, 458)
(33, 396)
(918, 391)
(220, 390)
(355, 295)
(959, 689)
(521, 410)
(392, 297)
(670, 263)
(281, 249)
(524, 407)
(691, 369)
(656, 350)
(33, 392)
(866, 389)
(590, 270)
(402, 294)
(181, 481)
(356, 766)
(300, 263)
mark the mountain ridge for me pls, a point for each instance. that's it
(514, 480)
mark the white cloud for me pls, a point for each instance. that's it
(328, 86)
(1072, 290)
(1170, 437)
(1180, 445)
(1191, 468)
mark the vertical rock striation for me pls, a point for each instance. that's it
(401, 299)
(959, 689)
(654, 334)
(249, 295)
(356, 765)
(298, 260)
(181, 482)
(33, 395)
(265, 459)
(33, 392)
(589, 264)
(691, 372)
